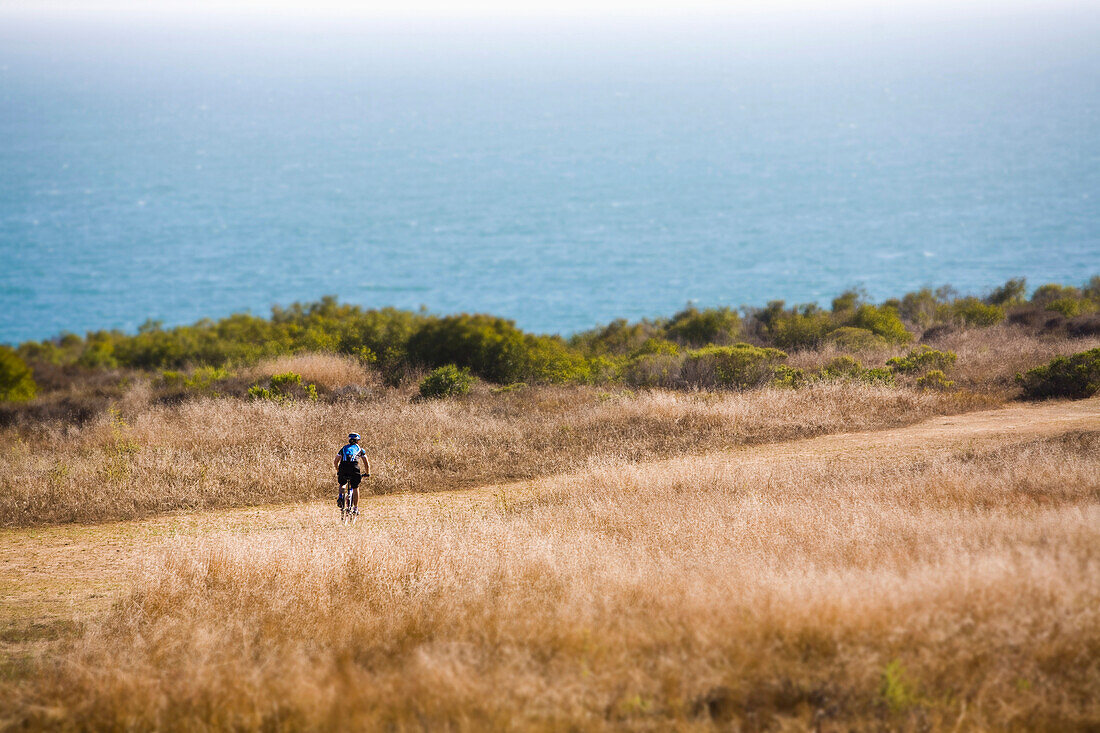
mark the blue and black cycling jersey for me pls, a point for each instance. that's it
(349, 457)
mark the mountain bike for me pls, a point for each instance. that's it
(348, 513)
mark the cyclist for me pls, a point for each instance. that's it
(347, 471)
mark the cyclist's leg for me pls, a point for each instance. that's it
(354, 484)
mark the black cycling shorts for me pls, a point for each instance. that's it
(351, 478)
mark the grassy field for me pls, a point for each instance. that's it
(937, 575)
(227, 452)
(145, 452)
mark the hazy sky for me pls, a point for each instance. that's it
(508, 8)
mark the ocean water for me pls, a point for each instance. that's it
(561, 176)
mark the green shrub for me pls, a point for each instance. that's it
(1069, 307)
(204, 378)
(1092, 289)
(790, 377)
(884, 322)
(491, 347)
(200, 380)
(657, 346)
(740, 366)
(1076, 376)
(258, 392)
(973, 312)
(851, 338)
(619, 337)
(604, 369)
(16, 380)
(494, 349)
(878, 375)
(896, 689)
(285, 381)
(282, 387)
(702, 327)
(1068, 301)
(172, 378)
(99, 353)
(394, 366)
(365, 355)
(923, 307)
(842, 367)
(548, 359)
(795, 328)
(322, 326)
(935, 379)
(846, 367)
(1051, 292)
(446, 381)
(44, 352)
(847, 301)
(1013, 292)
(921, 359)
(660, 369)
(926, 308)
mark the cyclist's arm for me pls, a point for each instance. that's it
(366, 463)
(336, 462)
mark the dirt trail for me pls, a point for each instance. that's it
(52, 575)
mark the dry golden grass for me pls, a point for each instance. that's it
(988, 358)
(211, 453)
(331, 371)
(940, 588)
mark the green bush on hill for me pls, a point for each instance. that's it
(494, 349)
(935, 380)
(1092, 289)
(846, 367)
(99, 352)
(282, 387)
(740, 366)
(842, 367)
(1051, 292)
(695, 328)
(656, 346)
(973, 312)
(1013, 292)
(202, 379)
(648, 352)
(881, 321)
(617, 338)
(847, 301)
(794, 328)
(924, 308)
(921, 359)
(446, 381)
(789, 377)
(658, 369)
(851, 338)
(1067, 300)
(1076, 376)
(16, 380)
(1070, 307)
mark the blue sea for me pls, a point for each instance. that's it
(561, 174)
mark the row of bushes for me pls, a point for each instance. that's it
(694, 346)
(1075, 377)
(738, 366)
(851, 323)
(742, 366)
